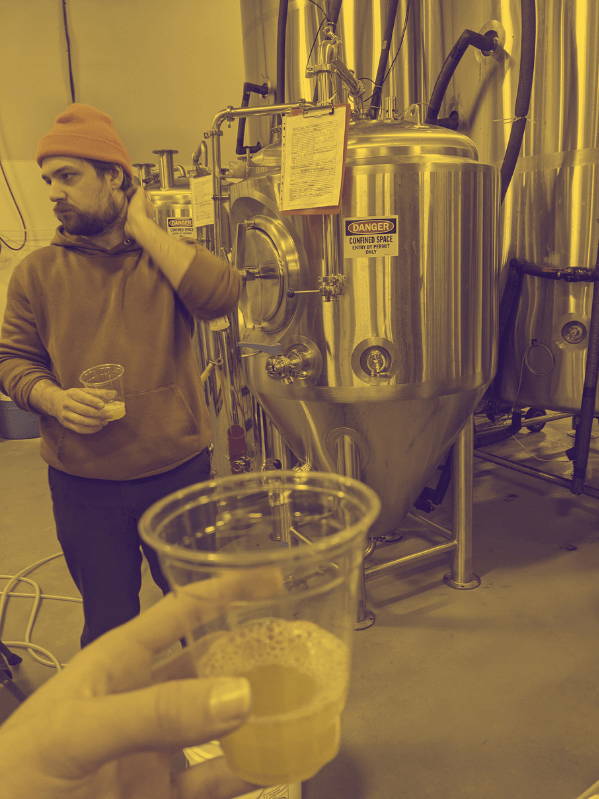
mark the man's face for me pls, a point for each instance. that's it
(86, 203)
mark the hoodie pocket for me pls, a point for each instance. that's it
(157, 431)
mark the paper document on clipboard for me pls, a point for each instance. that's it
(201, 198)
(313, 154)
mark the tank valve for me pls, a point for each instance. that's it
(331, 286)
(241, 465)
(300, 362)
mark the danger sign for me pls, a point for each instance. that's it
(370, 237)
(180, 226)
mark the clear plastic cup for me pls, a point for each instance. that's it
(110, 376)
(266, 567)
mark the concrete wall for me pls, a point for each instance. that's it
(161, 69)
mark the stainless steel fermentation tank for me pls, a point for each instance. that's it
(242, 437)
(551, 212)
(368, 365)
(555, 212)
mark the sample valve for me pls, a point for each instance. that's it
(300, 362)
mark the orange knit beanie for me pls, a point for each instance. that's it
(82, 131)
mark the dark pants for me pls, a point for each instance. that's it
(96, 522)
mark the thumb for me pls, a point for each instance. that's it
(169, 715)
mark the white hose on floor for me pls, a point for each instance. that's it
(7, 592)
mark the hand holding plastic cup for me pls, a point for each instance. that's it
(274, 558)
(107, 376)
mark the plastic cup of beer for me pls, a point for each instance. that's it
(267, 569)
(109, 376)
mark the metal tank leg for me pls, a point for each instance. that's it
(366, 617)
(461, 575)
(348, 464)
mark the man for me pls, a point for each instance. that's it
(112, 287)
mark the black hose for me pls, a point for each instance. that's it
(248, 88)
(69, 55)
(333, 11)
(527, 65)
(589, 394)
(508, 309)
(571, 274)
(486, 42)
(375, 102)
(281, 45)
(488, 437)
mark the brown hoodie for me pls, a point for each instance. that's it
(74, 304)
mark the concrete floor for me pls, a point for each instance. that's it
(457, 694)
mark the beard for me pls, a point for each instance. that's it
(89, 223)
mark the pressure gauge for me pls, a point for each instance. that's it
(574, 332)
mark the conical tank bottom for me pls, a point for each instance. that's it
(395, 445)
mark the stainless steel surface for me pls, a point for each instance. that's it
(461, 575)
(483, 455)
(531, 422)
(544, 363)
(552, 207)
(405, 352)
(167, 168)
(440, 528)
(551, 210)
(413, 559)
(170, 195)
(460, 543)
(360, 26)
(244, 437)
(228, 115)
(238, 437)
(348, 464)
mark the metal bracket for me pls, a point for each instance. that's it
(271, 349)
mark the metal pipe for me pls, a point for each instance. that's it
(279, 448)
(414, 558)
(590, 491)
(200, 157)
(231, 113)
(207, 372)
(589, 394)
(167, 168)
(348, 464)
(444, 531)
(144, 173)
(348, 457)
(227, 115)
(461, 575)
(303, 538)
(331, 245)
(534, 420)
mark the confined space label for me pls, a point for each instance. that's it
(370, 237)
(180, 226)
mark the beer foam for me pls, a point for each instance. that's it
(300, 645)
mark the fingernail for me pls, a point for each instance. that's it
(230, 699)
